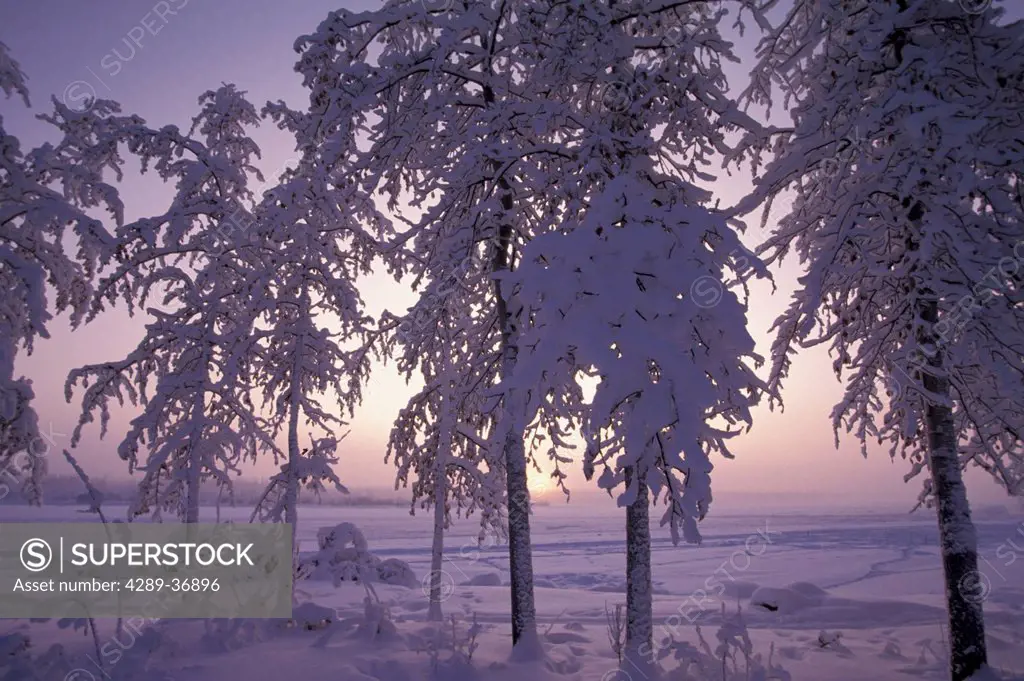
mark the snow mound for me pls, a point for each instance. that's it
(988, 674)
(309, 615)
(394, 571)
(350, 673)
(789, 599)
(809, 605)
(484, 579)
(732, 590)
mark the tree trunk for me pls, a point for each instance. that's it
(964, 588)
(525, 642)
(639, 605)
(192, 503)
(291, 490)
(291, 511)
(434, 613)
(520, 552)
(195, 464)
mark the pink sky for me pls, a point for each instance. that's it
(69, 48)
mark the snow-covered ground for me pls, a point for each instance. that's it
(874, 580)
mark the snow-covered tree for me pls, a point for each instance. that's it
(310, 262)
(443, 94)
(49, 197)
(437, 436)
(190, 372)
(905, 158)
(619, 292)
(199, 422)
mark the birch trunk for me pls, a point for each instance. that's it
(291, 512)
(291, 492)
(964, 589)
(520, 551)
(639, 605)
(195, 464)
(434, 613)
(192, 507)
(525, 642)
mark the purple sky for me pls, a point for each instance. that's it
(157, 58)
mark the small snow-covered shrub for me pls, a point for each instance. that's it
(14, 645)
(18, 664)
(828, 638)
(733, 659)
(221, 634)
(377, 623)
(616, 629)
(344, 556)
(340, 536)
(450, 649)
(146, 659)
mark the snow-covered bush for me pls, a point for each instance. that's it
(344, 556)
(18, 664)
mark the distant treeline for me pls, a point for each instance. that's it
(69, 490)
